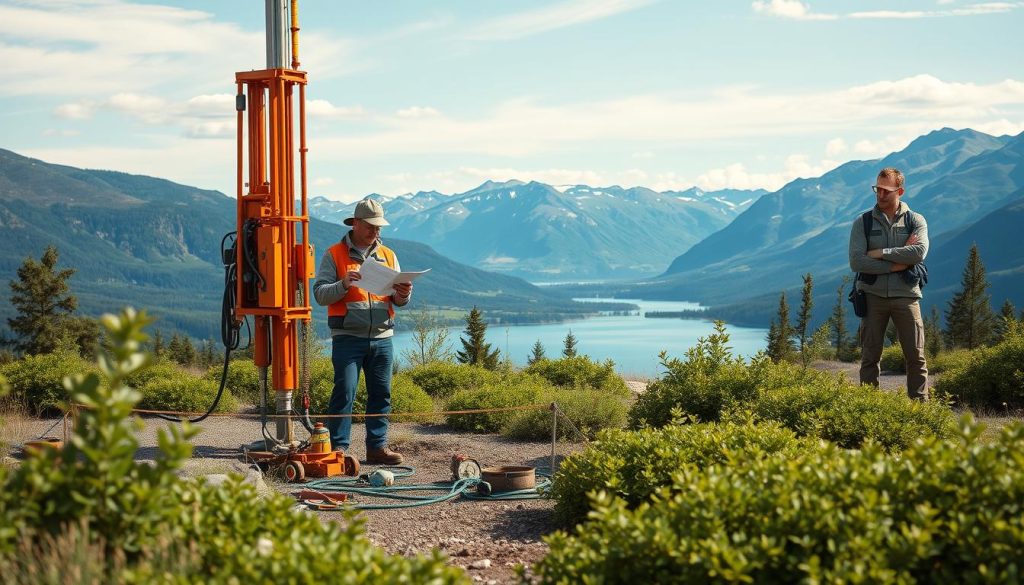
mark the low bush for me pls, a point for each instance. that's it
(634, 465)
(140, 511)
(992, 380)
(243, 380)
(947, 361)
(711, 380)
(589, 410)
(892, 359)
(862, 413)
(944, 511)
(185, 393)
(493, 396)
(37, 381)
(159, 370)
(580, 372)
(442, 379)
(406, 397)
(848, 415)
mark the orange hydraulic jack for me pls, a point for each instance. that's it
(273, 264)
(318, 460)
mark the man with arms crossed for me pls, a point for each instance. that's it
(884, 262)
(362, 325)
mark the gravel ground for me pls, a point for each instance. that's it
(488, 539)
(886, 380)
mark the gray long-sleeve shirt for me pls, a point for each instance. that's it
(892, 238)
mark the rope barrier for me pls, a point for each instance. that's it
(353, 415)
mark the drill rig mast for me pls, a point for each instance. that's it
(274, 264)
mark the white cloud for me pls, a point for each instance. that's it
(551, 17)
(736, 175)
(417, 112)
(323, 181)
(122, 47)
(80, 111)
(797, 10)
(789, 9)
(835, 147)
(971, 10)
(523, 127)
(212, 129)
(325, 109)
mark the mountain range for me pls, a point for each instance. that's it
(557, 233)
(967, 184)
(155, 244)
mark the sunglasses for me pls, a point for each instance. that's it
(882, 190)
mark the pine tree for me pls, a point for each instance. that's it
(45, 306)
(803, 322)
(536, 354)
(933, 334)
(840, 335)
(780, 346)
(208, 355)
(569, 345)
(181, 350)
(970, 321)
(158, 344)
(475, 351)
(1007, 319)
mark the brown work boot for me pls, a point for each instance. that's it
(383, 456)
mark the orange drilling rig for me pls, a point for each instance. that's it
(273, 258)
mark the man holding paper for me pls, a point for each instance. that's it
(362, 325)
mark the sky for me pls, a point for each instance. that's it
(408, 96)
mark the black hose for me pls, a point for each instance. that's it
(230, 329)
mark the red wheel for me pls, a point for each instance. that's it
(294, 472)
(351, 466)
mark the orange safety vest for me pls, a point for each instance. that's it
(343, 263)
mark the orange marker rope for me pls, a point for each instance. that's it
(353, 415)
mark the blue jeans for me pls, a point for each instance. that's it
(350, 354)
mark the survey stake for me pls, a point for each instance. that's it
(379, 279)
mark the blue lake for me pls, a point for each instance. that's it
(633, 342)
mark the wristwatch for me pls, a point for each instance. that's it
(886, 251)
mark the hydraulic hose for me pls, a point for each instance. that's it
(230, 329)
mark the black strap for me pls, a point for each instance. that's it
(866, 221)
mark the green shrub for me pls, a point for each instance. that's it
(493, 396)
(406, 396)
(634, 465)
(138, 510)
(993, 379)
(589, 410)
(159, 370)
(442, 379)
(848, 415)
(953, 359)
(37, 381)
(894, 421)
(243, 380)
(944, 511)
(185, 393)
(580, 371)
(892, 359)
(709, 380)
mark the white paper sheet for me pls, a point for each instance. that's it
(380, 279)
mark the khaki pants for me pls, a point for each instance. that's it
(905, 313)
